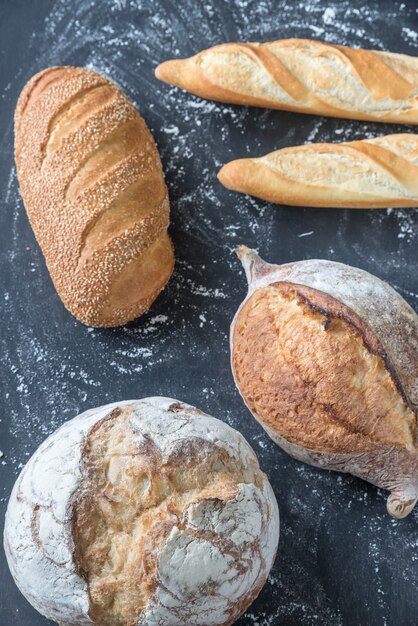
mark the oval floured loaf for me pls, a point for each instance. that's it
(326, 358)
(142, 512)
(91, 179)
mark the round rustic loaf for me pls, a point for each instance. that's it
(326, 358)
(93, 186)
(144, 512)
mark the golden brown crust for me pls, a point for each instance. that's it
(93, 187)
(373, 173)
(305, 76)
(315, 375)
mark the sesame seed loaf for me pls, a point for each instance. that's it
(93, 187)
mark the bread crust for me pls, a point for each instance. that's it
(368, 174)
(139, 494)
(321, 366)
(303, 75)
(92, 183)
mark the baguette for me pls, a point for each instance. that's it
(305, 76)
(373, 173)
(93, 187)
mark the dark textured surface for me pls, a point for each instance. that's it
(342, 560)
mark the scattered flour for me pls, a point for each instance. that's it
(412, 35)
(329, 16)
(54, 367)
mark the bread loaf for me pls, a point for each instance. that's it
(305, 76)
(152, 513)
(93, 187)
(373, 173)
(326, 358)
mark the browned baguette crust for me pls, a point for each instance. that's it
(303, 75)
(373, 173)
(93, 187)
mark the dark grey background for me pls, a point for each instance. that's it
(342, 560)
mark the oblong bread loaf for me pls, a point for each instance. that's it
(93, 187)
(303, 75)
(373, 173)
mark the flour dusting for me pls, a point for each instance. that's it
(337, 544)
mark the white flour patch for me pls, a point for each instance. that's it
(329, 16)
(412, 35)
(407, 225)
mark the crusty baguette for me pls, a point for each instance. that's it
(373, 173)
(305, 76)
(91, 179)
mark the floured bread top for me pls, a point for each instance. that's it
(164, 518)
(316, 377)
